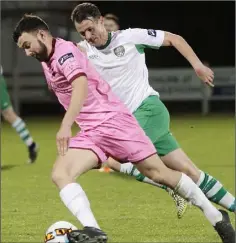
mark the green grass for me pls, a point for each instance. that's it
(129, 211)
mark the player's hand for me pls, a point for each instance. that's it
(205, 74)
(63, 136)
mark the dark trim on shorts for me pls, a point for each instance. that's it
(143, 158)
(99, 160)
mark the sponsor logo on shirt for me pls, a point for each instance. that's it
(119, 51)
(93, 56)
(152, 32)
(65, 57)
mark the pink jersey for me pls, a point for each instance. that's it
(67, 63)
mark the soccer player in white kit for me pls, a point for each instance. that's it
(111, 23)
(120, 59)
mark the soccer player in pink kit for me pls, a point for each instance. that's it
(107, 129)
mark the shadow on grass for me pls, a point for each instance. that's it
(8, 167)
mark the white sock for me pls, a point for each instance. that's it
(77, 202)
(126, 168)
(190, 191)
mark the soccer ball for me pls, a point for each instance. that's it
(57, 233)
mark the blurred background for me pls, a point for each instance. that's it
(209, 27)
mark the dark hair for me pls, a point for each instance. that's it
(84, 11)
(29, 23)
(113, 17)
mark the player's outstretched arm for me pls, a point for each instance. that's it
(177, 41)
(150, 38)
(183, 47)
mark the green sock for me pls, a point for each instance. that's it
(23, 132)
(215, 191)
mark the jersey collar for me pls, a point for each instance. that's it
(107, 43)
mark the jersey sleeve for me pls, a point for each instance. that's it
(71, 63)
(148, 37)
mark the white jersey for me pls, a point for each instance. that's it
(121, 62)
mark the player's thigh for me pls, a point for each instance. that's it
(123, 139)
(153, 117)
(179, 161)
(83, 155)
(76, 162)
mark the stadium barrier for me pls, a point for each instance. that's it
(182, 84)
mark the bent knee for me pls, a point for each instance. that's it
(191, 171)
(9, 115)
(61, 177)
(58, 176)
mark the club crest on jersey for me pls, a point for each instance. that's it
(65, 57)
(119, 51)
(152, 33)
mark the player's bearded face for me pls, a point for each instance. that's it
(41, 54)
(33, 46)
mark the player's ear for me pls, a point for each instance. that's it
(41, 35)
(101, 20)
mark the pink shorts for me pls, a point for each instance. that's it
(120, 137)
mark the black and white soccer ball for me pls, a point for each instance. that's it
(57, 233)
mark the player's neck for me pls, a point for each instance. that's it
(51, 46)
(106, 40)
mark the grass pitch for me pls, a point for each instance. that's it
(129, 211)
